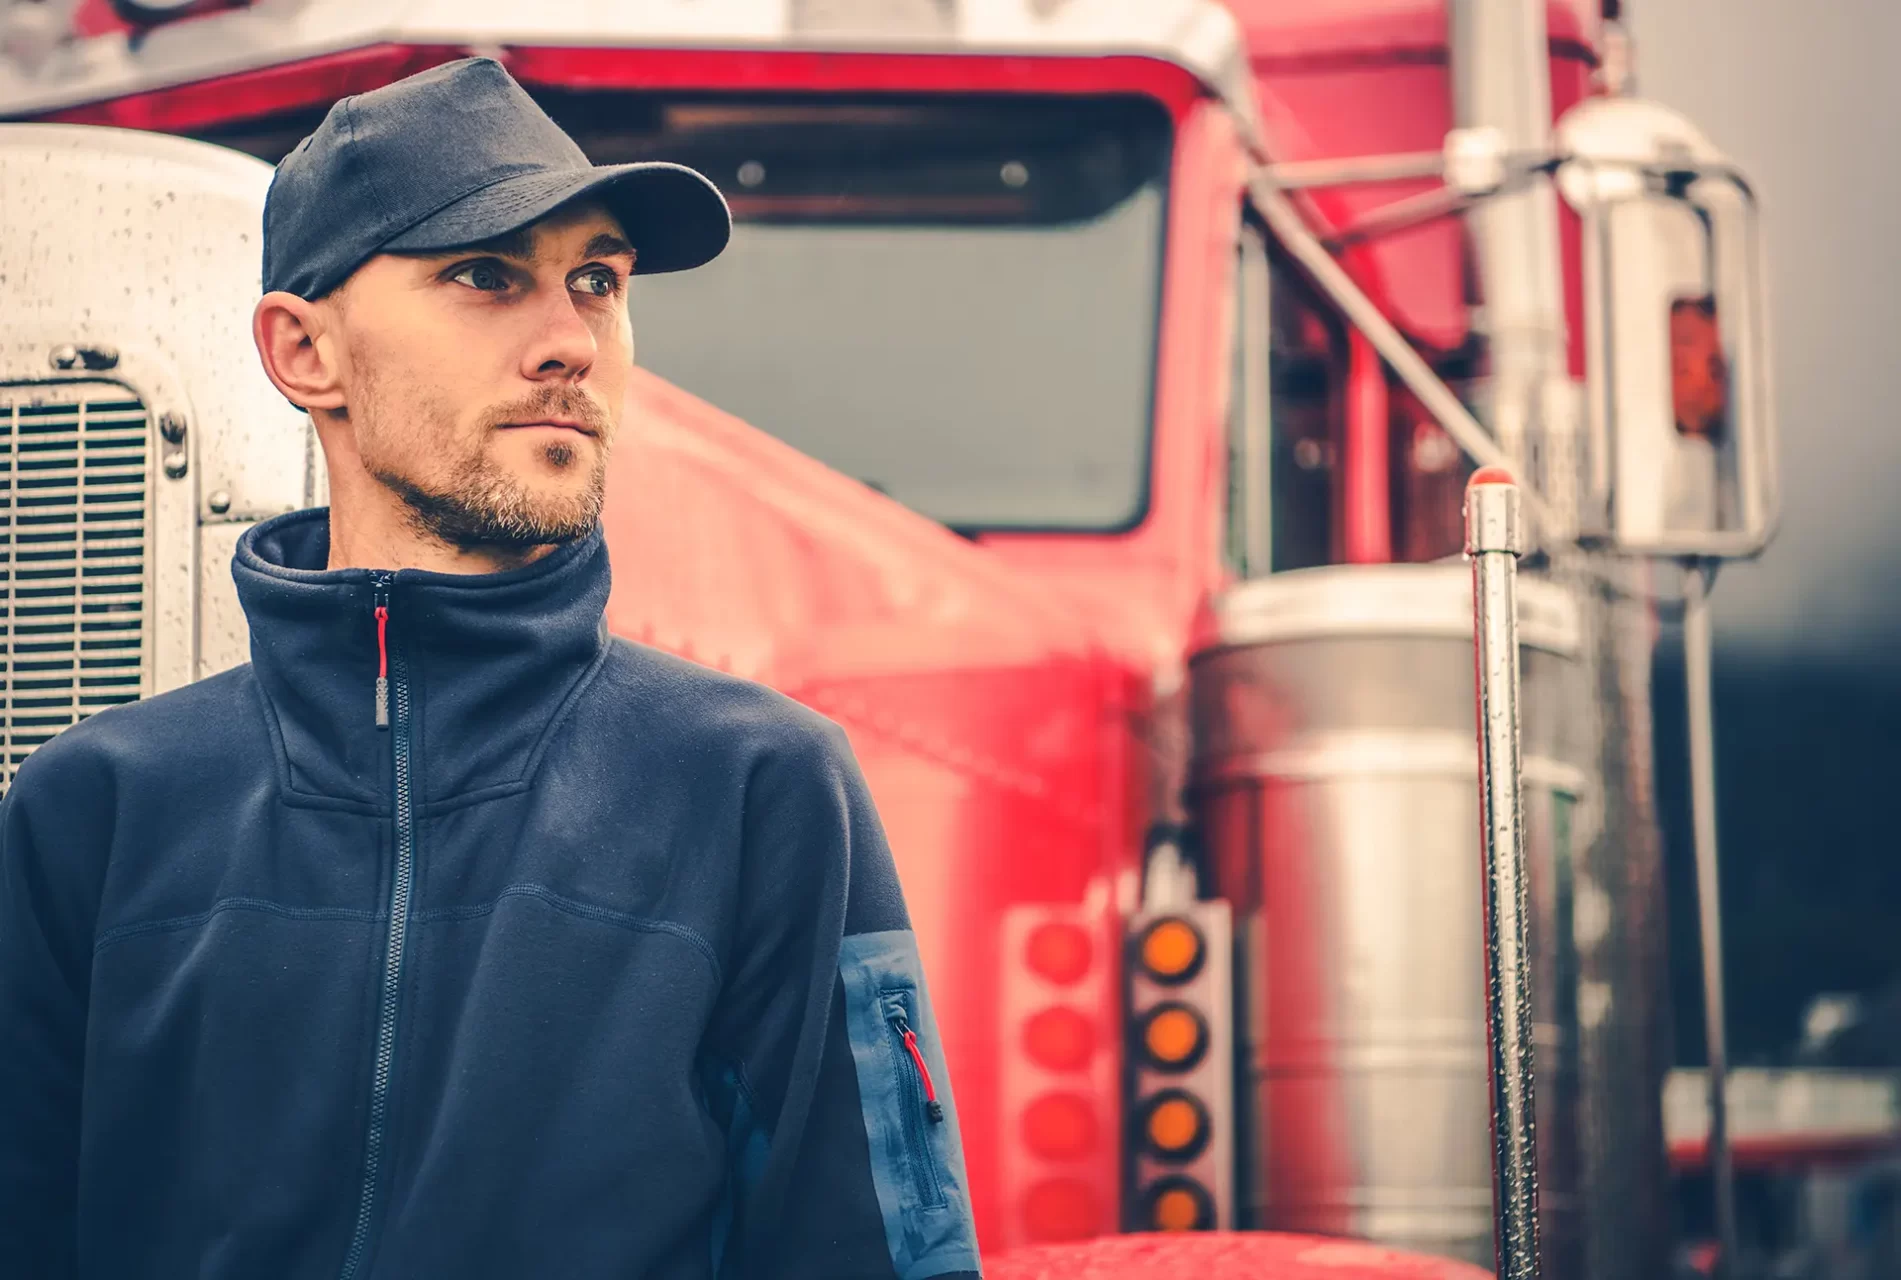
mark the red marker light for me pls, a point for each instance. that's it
(1060, 1039)
(1060, 1126)
(1058, 952)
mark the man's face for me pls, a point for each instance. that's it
(484, 385)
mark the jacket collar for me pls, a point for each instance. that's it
(488, 662)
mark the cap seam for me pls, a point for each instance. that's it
(369, 170)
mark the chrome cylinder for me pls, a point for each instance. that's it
(1493, 542)
(1333, 787)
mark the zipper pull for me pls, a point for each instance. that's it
(382, 650)
(932, 1107)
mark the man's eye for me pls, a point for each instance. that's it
(599, 282)
(485, 276)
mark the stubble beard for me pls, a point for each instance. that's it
(478, 505)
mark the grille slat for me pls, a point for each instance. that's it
(73, 499)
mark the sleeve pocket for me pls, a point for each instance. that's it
(917, 1159)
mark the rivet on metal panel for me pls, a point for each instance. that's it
(172, 427)
(176, 463)
(219, 501)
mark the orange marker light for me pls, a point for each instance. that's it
(1170, 950)
(1176, 1210)
(1179, 1204)
(1174, 1037)
(1175, 1125)
(1058, 952)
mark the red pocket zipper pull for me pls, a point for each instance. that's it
(932, 1107)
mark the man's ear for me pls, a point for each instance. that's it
(298, 350)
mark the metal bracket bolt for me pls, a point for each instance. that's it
(71, 356)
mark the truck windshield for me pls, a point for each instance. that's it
(952, 300)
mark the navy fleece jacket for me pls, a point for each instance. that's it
(591, 964)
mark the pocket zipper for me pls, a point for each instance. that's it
(921, 1100)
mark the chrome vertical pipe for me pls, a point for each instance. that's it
(1697, 645)
(1494, 539)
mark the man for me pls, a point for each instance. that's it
(450, 938)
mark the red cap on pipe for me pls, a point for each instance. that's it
(1489, 475)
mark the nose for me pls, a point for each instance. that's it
(563, 346)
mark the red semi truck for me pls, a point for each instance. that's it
(1080, 418)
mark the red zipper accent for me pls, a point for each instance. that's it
(932, 1107)
(382, 652)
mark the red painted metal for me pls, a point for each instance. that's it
(1788, 1153)
(1366, 483)
(97, 17)
(1223, 1256)
(248, 95)
(1371, 77)
(319, 80)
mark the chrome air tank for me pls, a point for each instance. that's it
(1336, 789)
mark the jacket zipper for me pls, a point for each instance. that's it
(382, 650)
(921, 1107)
(387, 690)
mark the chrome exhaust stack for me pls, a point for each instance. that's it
(1494, 539)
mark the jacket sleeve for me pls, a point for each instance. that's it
(845, 1159)
(45, 963)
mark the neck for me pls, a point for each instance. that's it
(372, 528)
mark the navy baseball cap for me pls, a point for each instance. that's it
(456, 155)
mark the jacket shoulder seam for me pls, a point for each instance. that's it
(561, 714)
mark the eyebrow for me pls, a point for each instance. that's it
(520, 244)
(607, 245)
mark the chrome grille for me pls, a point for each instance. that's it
(73, 508)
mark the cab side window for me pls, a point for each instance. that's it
(1288, 431)
(1287, 414)
(1307, 377)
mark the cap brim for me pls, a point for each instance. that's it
(674, 216)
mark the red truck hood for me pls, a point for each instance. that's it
(736, 550)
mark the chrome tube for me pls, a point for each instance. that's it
(1292, 175)
(1696, 673)
(1494, 540)
(1501, 83)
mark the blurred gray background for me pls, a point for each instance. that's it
(1807, 97)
